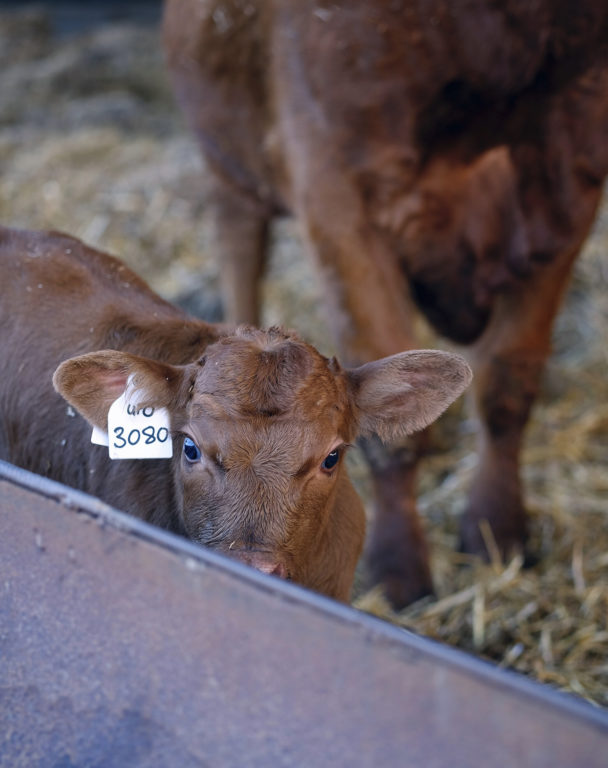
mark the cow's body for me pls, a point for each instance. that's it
(454, 151)
(260, 420)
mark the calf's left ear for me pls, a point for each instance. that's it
(404, 393)
(91, 383)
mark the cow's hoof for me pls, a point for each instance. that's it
(500, 537)
(404, 576)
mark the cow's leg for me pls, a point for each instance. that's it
(371, 318)
(507, 363)
(397, 555)
(239, 231)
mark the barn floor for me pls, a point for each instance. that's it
(92, 143)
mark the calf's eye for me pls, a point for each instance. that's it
(330, 460)
(191, 450)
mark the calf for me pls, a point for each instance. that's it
(259, 420)
(452, 152)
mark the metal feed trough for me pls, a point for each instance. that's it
(122, 645)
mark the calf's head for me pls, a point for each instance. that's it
(260, 426)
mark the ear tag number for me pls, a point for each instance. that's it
(135, 433)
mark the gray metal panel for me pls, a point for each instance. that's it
(122, 645)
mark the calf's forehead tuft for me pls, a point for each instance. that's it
(274, 372)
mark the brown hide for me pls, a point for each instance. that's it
(260, 421)
(451, 151)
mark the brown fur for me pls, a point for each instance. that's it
(451, 151)
(264, 408)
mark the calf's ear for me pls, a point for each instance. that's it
(403, 393)
(91, 383)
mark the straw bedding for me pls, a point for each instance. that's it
(91, 143)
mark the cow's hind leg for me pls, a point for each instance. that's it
(239, 230)
(508, 362)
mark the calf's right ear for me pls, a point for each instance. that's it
(91, 383)
(404, 393)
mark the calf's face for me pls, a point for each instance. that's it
(262, 442)
(260, 426)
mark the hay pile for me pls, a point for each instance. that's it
(91, 143)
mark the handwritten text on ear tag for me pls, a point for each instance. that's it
(135, 433)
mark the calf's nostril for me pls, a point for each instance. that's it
(280, 571)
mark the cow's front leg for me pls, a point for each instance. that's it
(508, 362)
(371, 318)
(397, 554)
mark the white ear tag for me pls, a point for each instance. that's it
(99, 437)
(135, 433)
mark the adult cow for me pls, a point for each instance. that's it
(454, 152)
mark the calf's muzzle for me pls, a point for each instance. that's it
(264, 561)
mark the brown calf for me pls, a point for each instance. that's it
(260, 421)
(451, 151)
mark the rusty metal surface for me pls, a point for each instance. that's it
(121, 645)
